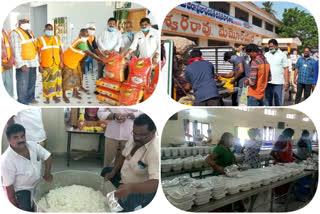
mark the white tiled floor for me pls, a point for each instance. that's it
(89, 83)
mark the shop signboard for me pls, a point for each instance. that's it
(197, 27)
(215, 15)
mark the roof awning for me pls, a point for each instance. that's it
(283, 42)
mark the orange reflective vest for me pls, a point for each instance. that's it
(90, 39)
(8, 49)
(50, 51)
(28, 45)
(73, 56)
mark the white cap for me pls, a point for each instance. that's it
(23, 17)
(91, 25)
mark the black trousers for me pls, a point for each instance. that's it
(24, 200)
(210, 102)
(300, 89)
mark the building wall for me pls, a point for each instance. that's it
(227, 120)
(257, 32)
(53, 122)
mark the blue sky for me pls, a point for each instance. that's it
(280, 6)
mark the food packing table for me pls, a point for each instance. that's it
(215, 204)
(211, 193)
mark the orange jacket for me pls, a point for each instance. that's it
(73, 56)
(28, 45)
(7, 49)
(50, 51)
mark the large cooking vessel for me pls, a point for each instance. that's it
(68, 178)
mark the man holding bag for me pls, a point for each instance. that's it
(240, 72)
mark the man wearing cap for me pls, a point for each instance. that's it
(109, 42)
(26, 57)
(93, 47)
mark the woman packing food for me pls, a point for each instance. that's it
(222, 156)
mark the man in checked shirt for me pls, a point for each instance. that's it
(260, 75)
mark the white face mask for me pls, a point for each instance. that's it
(91, 32)
(25, 26)
(84, 39)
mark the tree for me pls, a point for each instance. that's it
(298, 23)
(267, 6)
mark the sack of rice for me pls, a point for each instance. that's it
(139, 71)
(110, 93)
(107, 100)
(109, 83)
(130, 94)
(148, 91)
(114, 69)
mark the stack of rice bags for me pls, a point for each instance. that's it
(109, 86)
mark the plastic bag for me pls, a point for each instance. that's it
(113, 203)
(110, 93)
(244, 97)
(139, 71)
(130, 94)
(155, 77)
(148, 91)
(109, 83)
(115, 65)
(107, 100)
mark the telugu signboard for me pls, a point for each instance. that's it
(176, 23)
(204, 11)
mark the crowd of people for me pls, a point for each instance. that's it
(131, 158)
(62, 70)
(282, 151)
(223, 156)
(265, 74)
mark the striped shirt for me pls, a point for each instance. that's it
(254, 68)
(16, 45)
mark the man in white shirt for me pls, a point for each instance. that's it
(109, 42)
(127, 38)
(136, 171)
(21, 167)
(118, 132)
(146, 42)
(279, 68)
(32, 122)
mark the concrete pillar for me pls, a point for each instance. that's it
(203, 42)
(250, 18)
(232, 10)
(206, 3)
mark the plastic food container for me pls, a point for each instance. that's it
(182, 151)
(167, 152)
(195, 150)
(188, 163)
(174, 152)
(201, 150)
